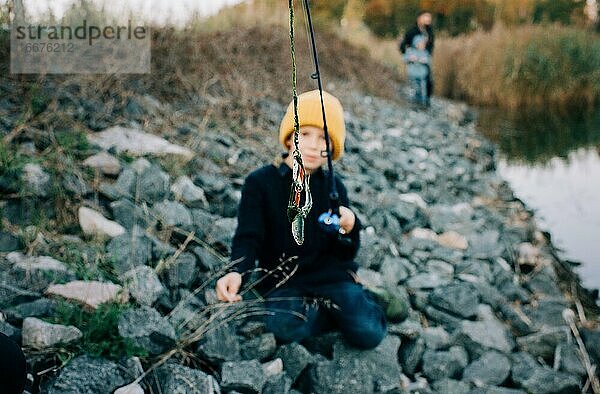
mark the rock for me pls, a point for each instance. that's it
(38, 334)
(567, 359)
(591, 339)
(42, 307)
(495, 390)
(10, 295)
(221, 232)
(427, 280)
(480, 336)
(152, 185)
(85, 374)
(260, 348)
(436, 338)
(36, 180)
(245, 376)
(104, 162)
(123, 187)
(393, 270)
(9, 242)
(527, 253)
(37, 272)
(279, 384)
(451, 386)
(182, 271)
(185, 190)
(543, 343)
(347, 376)
(485, 245)
(136, 142)
(10, 331)
(89, 293)
(379, 364)
(444, 364)
(132, 388)
(219, 345)
(273, 368)
(492, 368)
(295, 358)
(129, 250)
(94, 223)
(409, 329)
(173, 213)
(454, 240)
(546, 381)
(547, 313)
(128, 214)
(175, 378)
(410, 355)
(143, 284)
(147, 329)
(458, 298)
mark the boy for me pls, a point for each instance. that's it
(418, 62)
(322, 268)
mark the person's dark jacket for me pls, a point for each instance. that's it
(410, 35)
(264, 232)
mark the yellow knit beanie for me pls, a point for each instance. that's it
(310, 114)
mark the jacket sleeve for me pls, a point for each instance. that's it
(407, 40)
(250, 232)
(342, 250)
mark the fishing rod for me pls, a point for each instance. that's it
(330, 220)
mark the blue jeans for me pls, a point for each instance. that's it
(345, 306)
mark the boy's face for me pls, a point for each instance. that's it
(311, 142)
(421, 45)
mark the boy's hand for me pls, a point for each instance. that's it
(347, 219)
(228, 286)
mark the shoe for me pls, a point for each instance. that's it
(394, 303)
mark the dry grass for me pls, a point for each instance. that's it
(531, 66)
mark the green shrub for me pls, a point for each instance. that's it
(100, 330)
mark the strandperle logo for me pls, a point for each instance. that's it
(79, 47)
(83, 32)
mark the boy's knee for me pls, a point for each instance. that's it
(366, 338)
(287, 329)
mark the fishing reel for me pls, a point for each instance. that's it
(330, 223)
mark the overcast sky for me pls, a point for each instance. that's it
(157, 11)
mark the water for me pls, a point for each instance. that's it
(553, 165)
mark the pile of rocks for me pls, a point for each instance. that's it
(482, 306)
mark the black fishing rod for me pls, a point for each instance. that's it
(329, 221)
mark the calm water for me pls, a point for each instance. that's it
(553, 165)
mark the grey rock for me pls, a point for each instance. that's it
(444, 364)
(152, 185)
(128, 214)
(547, 381)
(143, 284)
(492, 368)
(458, 298)
(436, 337)
(441, 317)
(124, 186)
(10, 295)
(409, 329)
(185, 190)
(129, 250)
(207, 259)
(220, 344)
(345, 376)
(182, 271)
(36, 180)
(260, 348)
(410, 355)
(427, 280)
(245, 376)
(295, 358)
(85, 374)
(36, 273)
(147, 329)
(9, 242)
(221, 232)
(450, 386)
(42, 307)
(543, 343)
(279, 384)
(380, 363)
(496, 390)
(38, 334)
(173, 213)
(567, 359)
(485, 245)
(393, 270)
(178, 379)
(591, 338)
(547, 313)
(480, 336)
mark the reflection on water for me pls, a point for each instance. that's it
(553, 165)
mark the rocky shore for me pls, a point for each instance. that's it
(484, 299)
